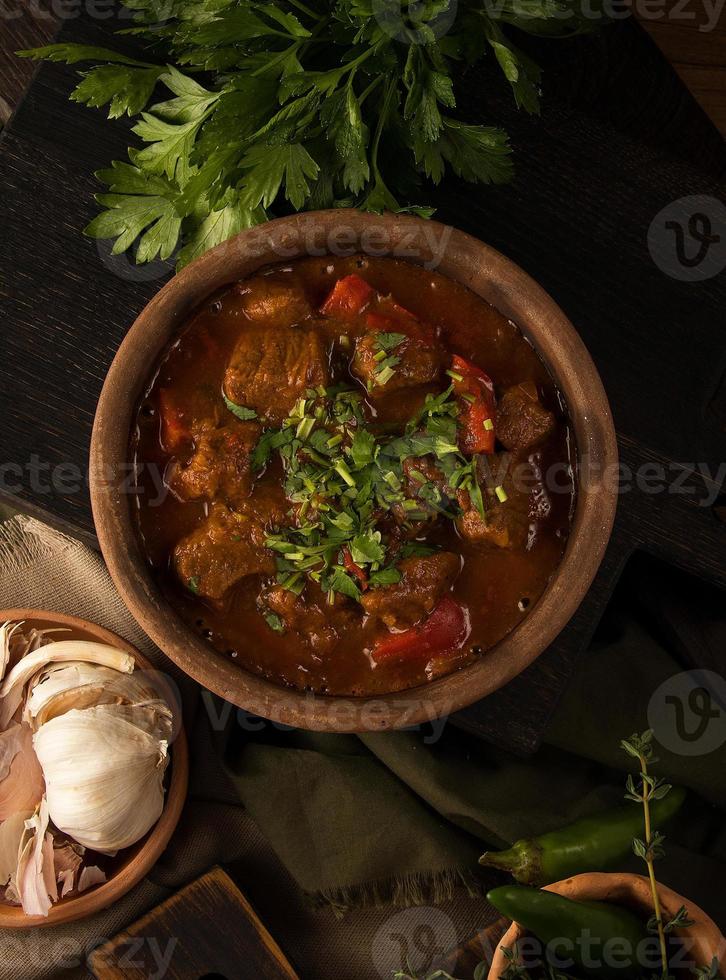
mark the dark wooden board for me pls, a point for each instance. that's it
(207, 930)
(619, 139)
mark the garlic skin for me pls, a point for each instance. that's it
(22, 786)
(104, 774)
(12, 831)
(33, 884)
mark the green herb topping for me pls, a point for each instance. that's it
(343, 479)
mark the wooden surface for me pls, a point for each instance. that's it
(207, 930)
(619, 139)
(696, 47)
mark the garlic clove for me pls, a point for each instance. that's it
(153, 717)
(23, 786)
(11, 690)
(60, 687)
(11, 833)
(104, 775)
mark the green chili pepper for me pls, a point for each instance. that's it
(599, 939)
(593, 843)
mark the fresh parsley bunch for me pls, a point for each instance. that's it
(243, 106)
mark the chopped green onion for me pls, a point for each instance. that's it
(385, 375)
(334, 441)
(380, 356)
(455, 375)
(501, 494)
(344, 340)
(305, 428)
(488, 425)
(193, 584)
(468, 398)
(343, 470)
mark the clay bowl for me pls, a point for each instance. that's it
(702, 941)
(482, 270)
(135, 862)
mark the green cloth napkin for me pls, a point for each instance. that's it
(392, 817)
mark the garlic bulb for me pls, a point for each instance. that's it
(104, 773)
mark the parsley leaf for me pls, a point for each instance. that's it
(304, 105)
(243, 413)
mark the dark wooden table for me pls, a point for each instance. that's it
(620, 139)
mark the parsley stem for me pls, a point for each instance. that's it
(305, 10)
(367, 91)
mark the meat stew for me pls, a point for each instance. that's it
(356, 457)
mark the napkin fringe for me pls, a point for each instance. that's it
(25, 541)
(421, 888)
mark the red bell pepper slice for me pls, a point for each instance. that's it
(446, 629)
(354, 569)
(348, 297)
(174, 432)
(476, 417)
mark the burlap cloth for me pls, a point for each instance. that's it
(42, 568)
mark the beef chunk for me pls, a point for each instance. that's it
(271, 368)
(317, 623)
(507, 522)
(522, 422)
(423, 582)
(417, 364)
(222, 551)
(273, 302)
(220, 465)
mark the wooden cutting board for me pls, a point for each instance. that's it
(207, 931)
(620, 138)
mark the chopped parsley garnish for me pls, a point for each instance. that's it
(343, 479)
(274, 622)
(386, 362)
(193, 585)
(243, 413)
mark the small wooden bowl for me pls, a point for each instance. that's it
(138, 860)
(458, 256)
(704, 939)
